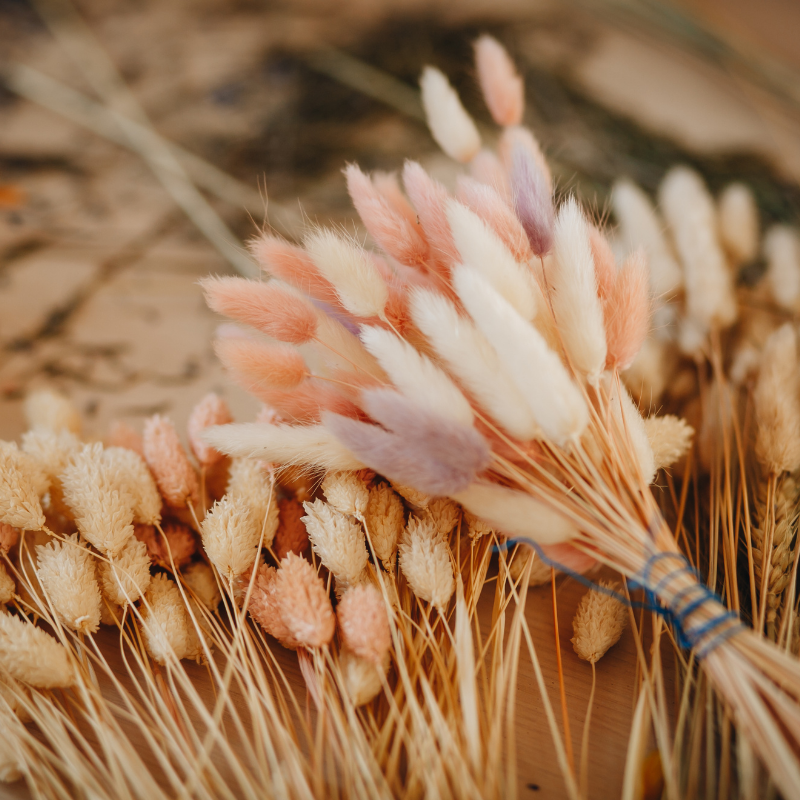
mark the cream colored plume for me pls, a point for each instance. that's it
(738, 222)
(337, 540)
(131, 474)
(252, 483)
(384, 521)
(599, 622)
(51, 410)
(125, 578)
(346, 492)
(362, 678)
(425, 562)
(32, 656)
(167, 629)
(670, 438)
(782, 252)
(231, 534)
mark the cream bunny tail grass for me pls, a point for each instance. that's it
(130, 472)
(32, 656)
(251, 482)
(425, 562)
(346, 492)
(168, 631)
(782, 251)
(738, 222)
(599, 622)
(338, 541)
(362, 677)
(231, 534)
(30, 468)
(450, 125)
(670, 438)
(19, 503)
(7, 586)
(126, 578)
(48, 409)
(304, 445)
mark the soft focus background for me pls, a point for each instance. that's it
(105, 227)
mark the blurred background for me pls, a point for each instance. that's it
(142, 144)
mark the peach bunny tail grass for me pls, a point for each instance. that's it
(605, 265)
(169, 463)
(502, 87)
(276, 310)
(265, 610)
(364, 623)
(259, 367)
(626, 312)
(303, 603)
(211, 410)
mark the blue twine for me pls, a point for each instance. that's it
(696, 636)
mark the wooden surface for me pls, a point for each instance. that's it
(98, 268)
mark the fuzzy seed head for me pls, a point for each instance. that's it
(7, 586)
(598, 623)
(32, 656)
(364, 623)
(19, 503)
(292, 536)
(67, 574)
(103, 507)
(782, 252)
(211, 410)
(476, 527)
(265, 609)
(9, 536)
(738, 222)
(445, 515)
(346, 492)
(670, 438)
(231, 535)
(260, 368)
(169, 463)
(303, 603)
(130, 473)
(51, 410)
(362, 677)
(199, 577)
(425, 562)
(52, 452)
(502, 87)
(127, 577)
(249, 481)
(385, 522)
(338, 540)
(168, 631)
(30, 468)
(450, 125)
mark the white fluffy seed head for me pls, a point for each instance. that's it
(416, 376)
(32, 656)
(385, 522)
(28, 466)
(425, 562)
(450, 125)
(577, 307)
(344, 263)
(738, 222)
(470, 358)
(103, 508)
(231, 534)
(51, 410)
(640, 226)
(632, 428)
(670, 438)
(126, 578)
(134, 476)
(19, 503)
(690, 213)
(52, 451)
(598, 624)
(555, 401)
(782, 252)
(362, 678)
(67, 574)
(777, 405)
(481, 249)
(337, 540)
(199, 577)
(249, 481)
(168, 633)
(346, 492)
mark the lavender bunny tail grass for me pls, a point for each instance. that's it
(532, 200)
(419, 449)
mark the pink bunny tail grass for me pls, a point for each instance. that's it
(292, 536)
(9, 536)
(502, 87)
(391, 230)
(264, 607)
(419, 449)
(120, 434)
(306, 402)
(495, 212)
(292, 265)
(430, 200)
(605, 265)
(211, 410)
(304, 605)
(387, 184)
(364, 623)
(259, 367)
(532, 201)
(177, 546)
(487, 168)
(272, 309)
(626, 312)
(169, 463)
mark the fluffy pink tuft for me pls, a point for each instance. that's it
(258, 367)
(292, 265)
(292, 536)
(386, 183)
(626, 312)
(305, 403)
(502, 87)
(120, 434)
(276, 311)
(532, 201)
(169, 463)
(9, 536)
(491, 207)
(390, 230)
(364, 623)
(211, 410)
(264, 607)
(605, 265)
(487, 168)
(430, 200)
